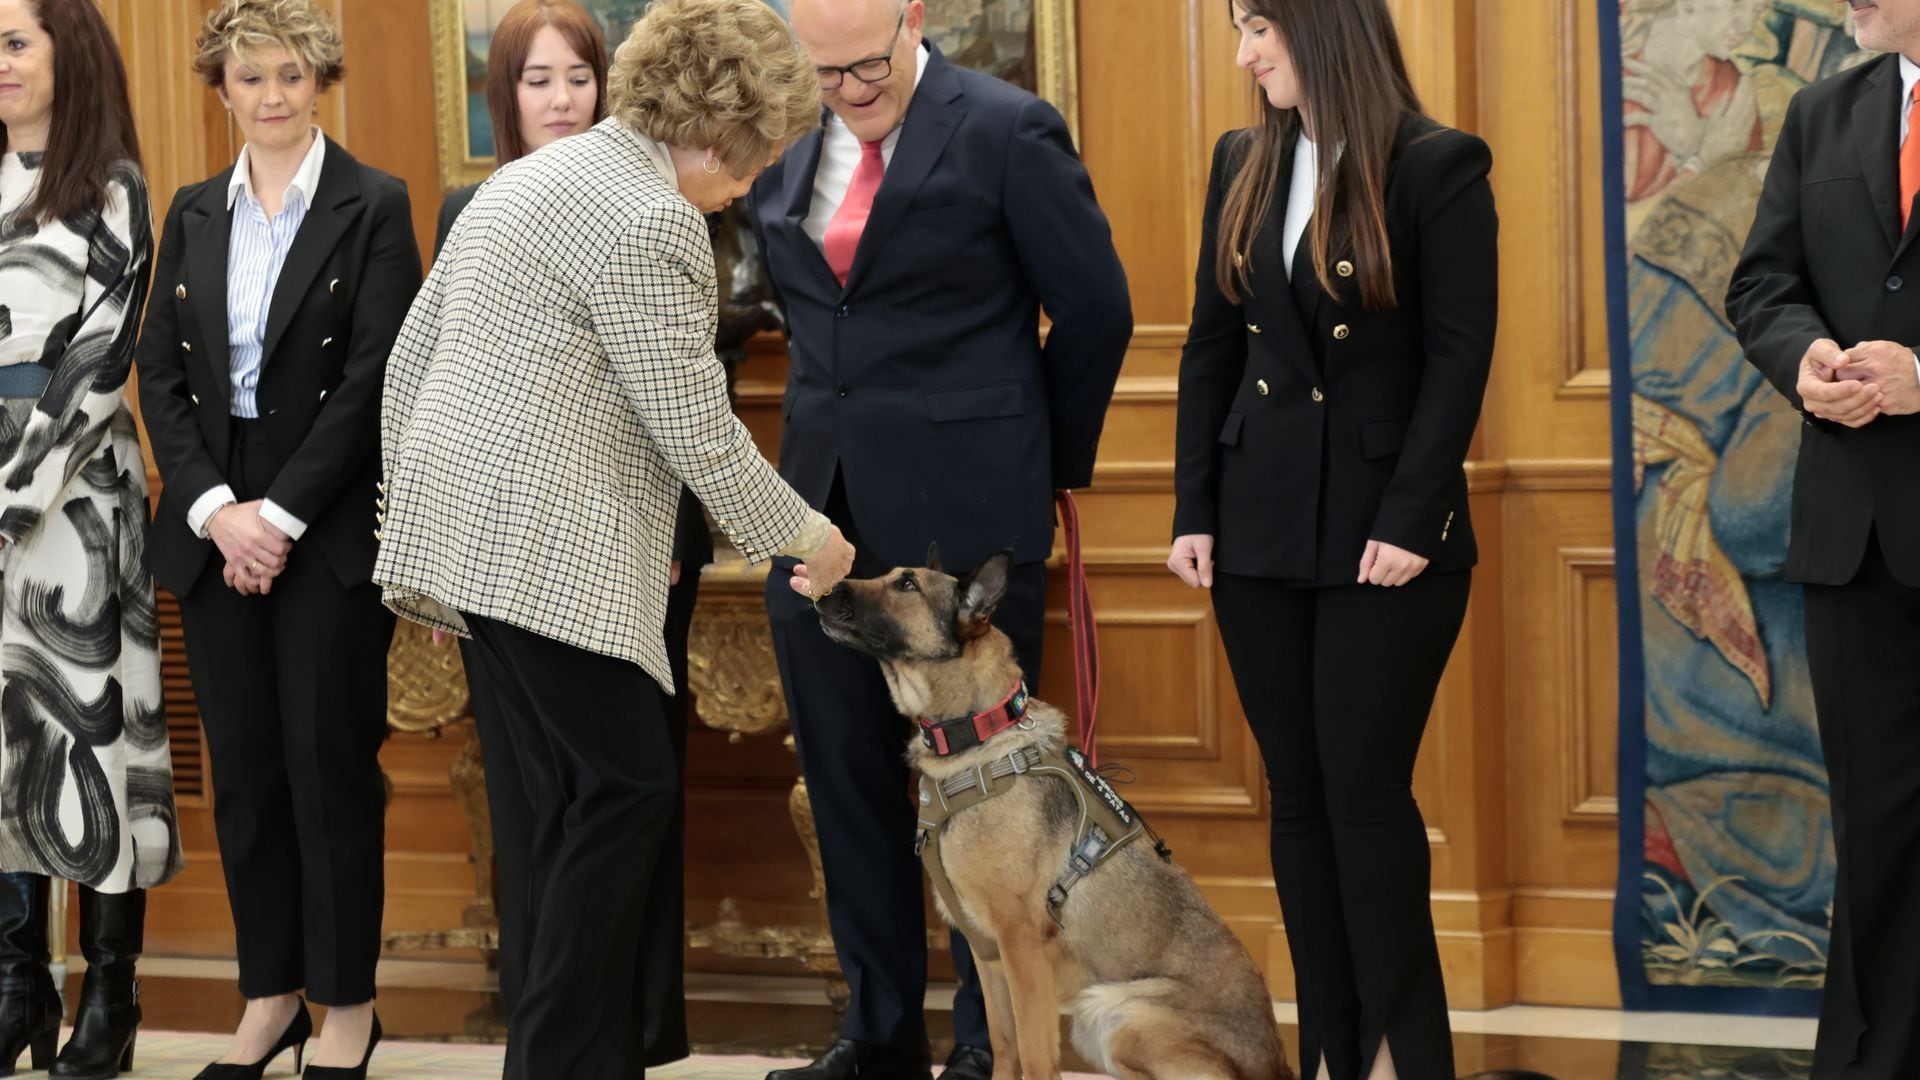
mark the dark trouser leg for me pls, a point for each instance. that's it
(1268, 630)
(512, 822)
(1378, 657)
(231, 657)
(1863, 639)
(598, 767)
(332, 672)
(663, 992)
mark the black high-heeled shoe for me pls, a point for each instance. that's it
(349, 1072)
(299, 1030)
(29, 1002)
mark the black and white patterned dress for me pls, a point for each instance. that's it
(86, 780)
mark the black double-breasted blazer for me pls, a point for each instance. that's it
(1309, 425)
(346, 285)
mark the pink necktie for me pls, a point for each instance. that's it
(843, 232)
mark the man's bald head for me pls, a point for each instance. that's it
(839, 35)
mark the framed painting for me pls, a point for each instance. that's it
(1029, 43)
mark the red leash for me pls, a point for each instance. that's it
(1086, 643)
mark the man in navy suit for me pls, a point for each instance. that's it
(913, 243)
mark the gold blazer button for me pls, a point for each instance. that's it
(1343, 268)
(180, 291)
(1340, 332)
(1252, 329)
(1318, 396)
(1261, 386)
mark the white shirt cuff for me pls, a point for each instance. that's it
(206, 506)
(282, 520)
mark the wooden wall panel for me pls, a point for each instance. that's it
(1516, 777)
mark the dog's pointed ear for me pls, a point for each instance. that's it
(982, 591)
(933, 558)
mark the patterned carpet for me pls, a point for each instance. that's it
(166, 1054)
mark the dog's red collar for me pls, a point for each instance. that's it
(949, 737)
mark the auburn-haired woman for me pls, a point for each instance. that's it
(547, 79)
(88, 783)
(1342, 331)
(282, 282)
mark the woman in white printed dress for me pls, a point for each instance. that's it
(86, 783)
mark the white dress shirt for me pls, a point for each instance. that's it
(840, 155)
(1301, 191)
(255, 255)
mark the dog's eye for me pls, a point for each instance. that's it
(907, 584)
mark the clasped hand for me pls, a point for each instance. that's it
(256, 552)
(824, 568)
(1856, 386)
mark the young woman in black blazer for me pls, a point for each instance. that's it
(282, 283)
(1342, 330)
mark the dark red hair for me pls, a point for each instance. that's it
(92, 128)
(507, 58)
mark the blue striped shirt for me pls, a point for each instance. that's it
(255, 255)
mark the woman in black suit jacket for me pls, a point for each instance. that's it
(1342, 331)
(283, 282)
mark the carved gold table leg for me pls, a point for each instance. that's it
(735, 681)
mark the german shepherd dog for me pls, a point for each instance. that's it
(1159, 988)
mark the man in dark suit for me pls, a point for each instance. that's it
(1819, 305)
(913, 244)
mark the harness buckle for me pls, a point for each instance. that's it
(920, 843)
(1019, 762)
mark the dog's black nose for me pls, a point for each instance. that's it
(839, 600)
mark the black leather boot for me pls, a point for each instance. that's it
(29, 1004)
(112, 927)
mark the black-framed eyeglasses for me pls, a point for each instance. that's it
(871, 70)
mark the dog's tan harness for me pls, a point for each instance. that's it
(1106, 824)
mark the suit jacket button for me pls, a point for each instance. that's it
(840, 389)
(1252, 329)
(1343, 268)
(1318, 397)
(1340, 332)
(843, 311)
(1894, 283)
(186, 346)
(180, 291)
(195, 398)
(1261, 386)
(334, 285)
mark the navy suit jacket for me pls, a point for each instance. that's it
(923, 382)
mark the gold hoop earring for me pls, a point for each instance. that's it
(712, 165)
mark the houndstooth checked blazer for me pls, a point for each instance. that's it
(554, 383)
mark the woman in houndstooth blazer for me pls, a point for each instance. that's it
(552, 388)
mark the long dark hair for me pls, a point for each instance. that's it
(507, 58)
(92, 129)
(1352, 77)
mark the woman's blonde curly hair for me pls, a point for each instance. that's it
(239, 28)
(725, 74)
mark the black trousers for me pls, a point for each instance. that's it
(292, 691)
(597, 764)
(852, 744)
(1337, 684)
(1863, 652)
(662, 978)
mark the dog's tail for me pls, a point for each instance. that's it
(1146, 1026)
